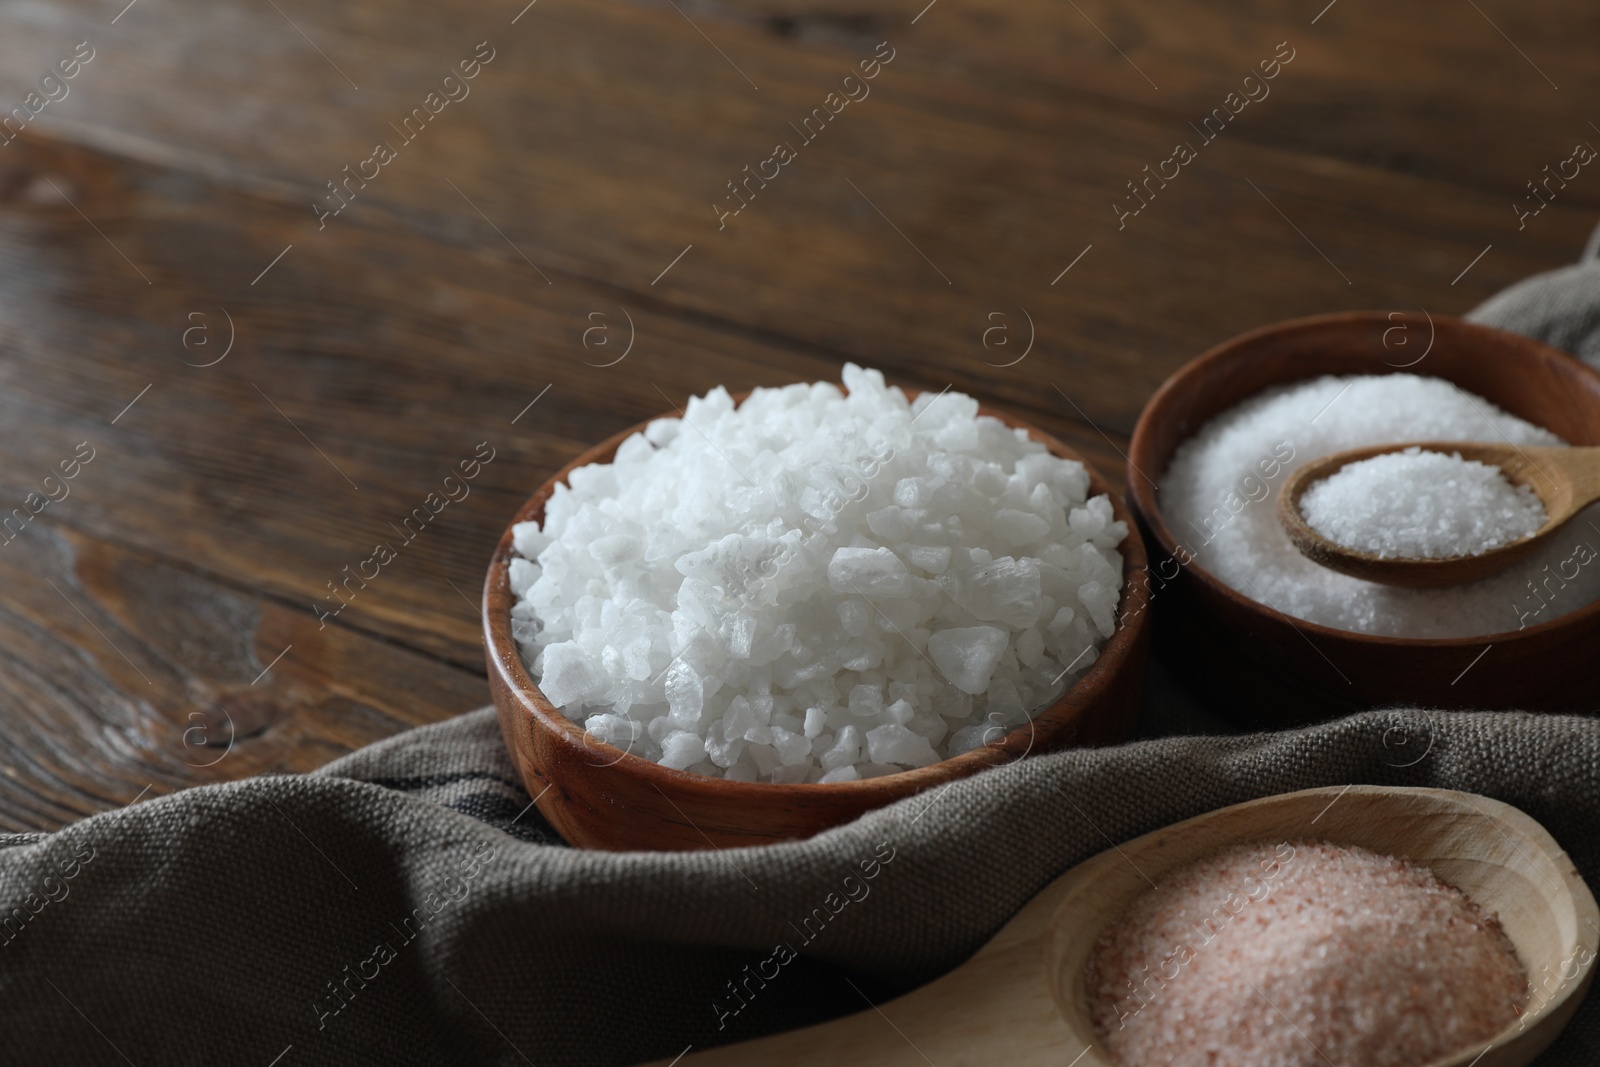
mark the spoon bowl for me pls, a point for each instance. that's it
(1566, 480)
(1021, 1000)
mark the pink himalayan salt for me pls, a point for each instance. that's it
(1302, 955)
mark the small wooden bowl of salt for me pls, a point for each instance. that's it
(1274, 638)
(597, 795)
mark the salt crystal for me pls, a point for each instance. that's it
(1004, 589)
(569, 676)
(522, 574)
(1420, 504)
(1013, 527)
(614, 549)
(765, 758)
(738, 717)
(528, 539)
(722, 746)
(816, 720)
(866, 701)
(976, 736)
(893, 743)
(868, 572)
(1030, 647)
(617, 730)
(1101, 602)
(913, 492)
(792, 773)
(681, 749)
(935, 559)
(968, 655)
(845, 751)
(792, 748)
(890, 523)
(685, 696)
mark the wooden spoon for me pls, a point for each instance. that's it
(1021, 999)
(1566, 480)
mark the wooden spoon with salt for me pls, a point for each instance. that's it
(1021, 1000)
(1566, 480)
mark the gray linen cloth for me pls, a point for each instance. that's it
(1560, 307)
(406, 905)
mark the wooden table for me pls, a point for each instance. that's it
(543, 256)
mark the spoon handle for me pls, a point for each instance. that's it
(1571, 476)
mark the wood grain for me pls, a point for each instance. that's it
(125, 675)
(991, 183)
(458, 285)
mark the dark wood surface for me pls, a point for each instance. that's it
(141, 609)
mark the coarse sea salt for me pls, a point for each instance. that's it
(814, 586)
(1419, 504)
(1300, 955)
(1221, 504)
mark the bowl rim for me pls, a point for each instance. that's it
(1114, 655)
(1145, 502)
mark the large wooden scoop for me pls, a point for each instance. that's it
(1021, 1001)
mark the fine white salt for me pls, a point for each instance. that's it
(816, 586)
(1419, 504)
(1302, 954)
(1219, 498)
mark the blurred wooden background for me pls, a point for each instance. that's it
(158, 624)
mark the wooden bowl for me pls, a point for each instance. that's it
(1240, 653)
(599, 796)
(1021, 999)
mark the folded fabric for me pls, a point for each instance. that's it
(402, 906)
(1559, 307)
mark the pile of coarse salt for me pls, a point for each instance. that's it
(1302, 955)
(1420, 504)
(1221, 504)
(814, 586)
